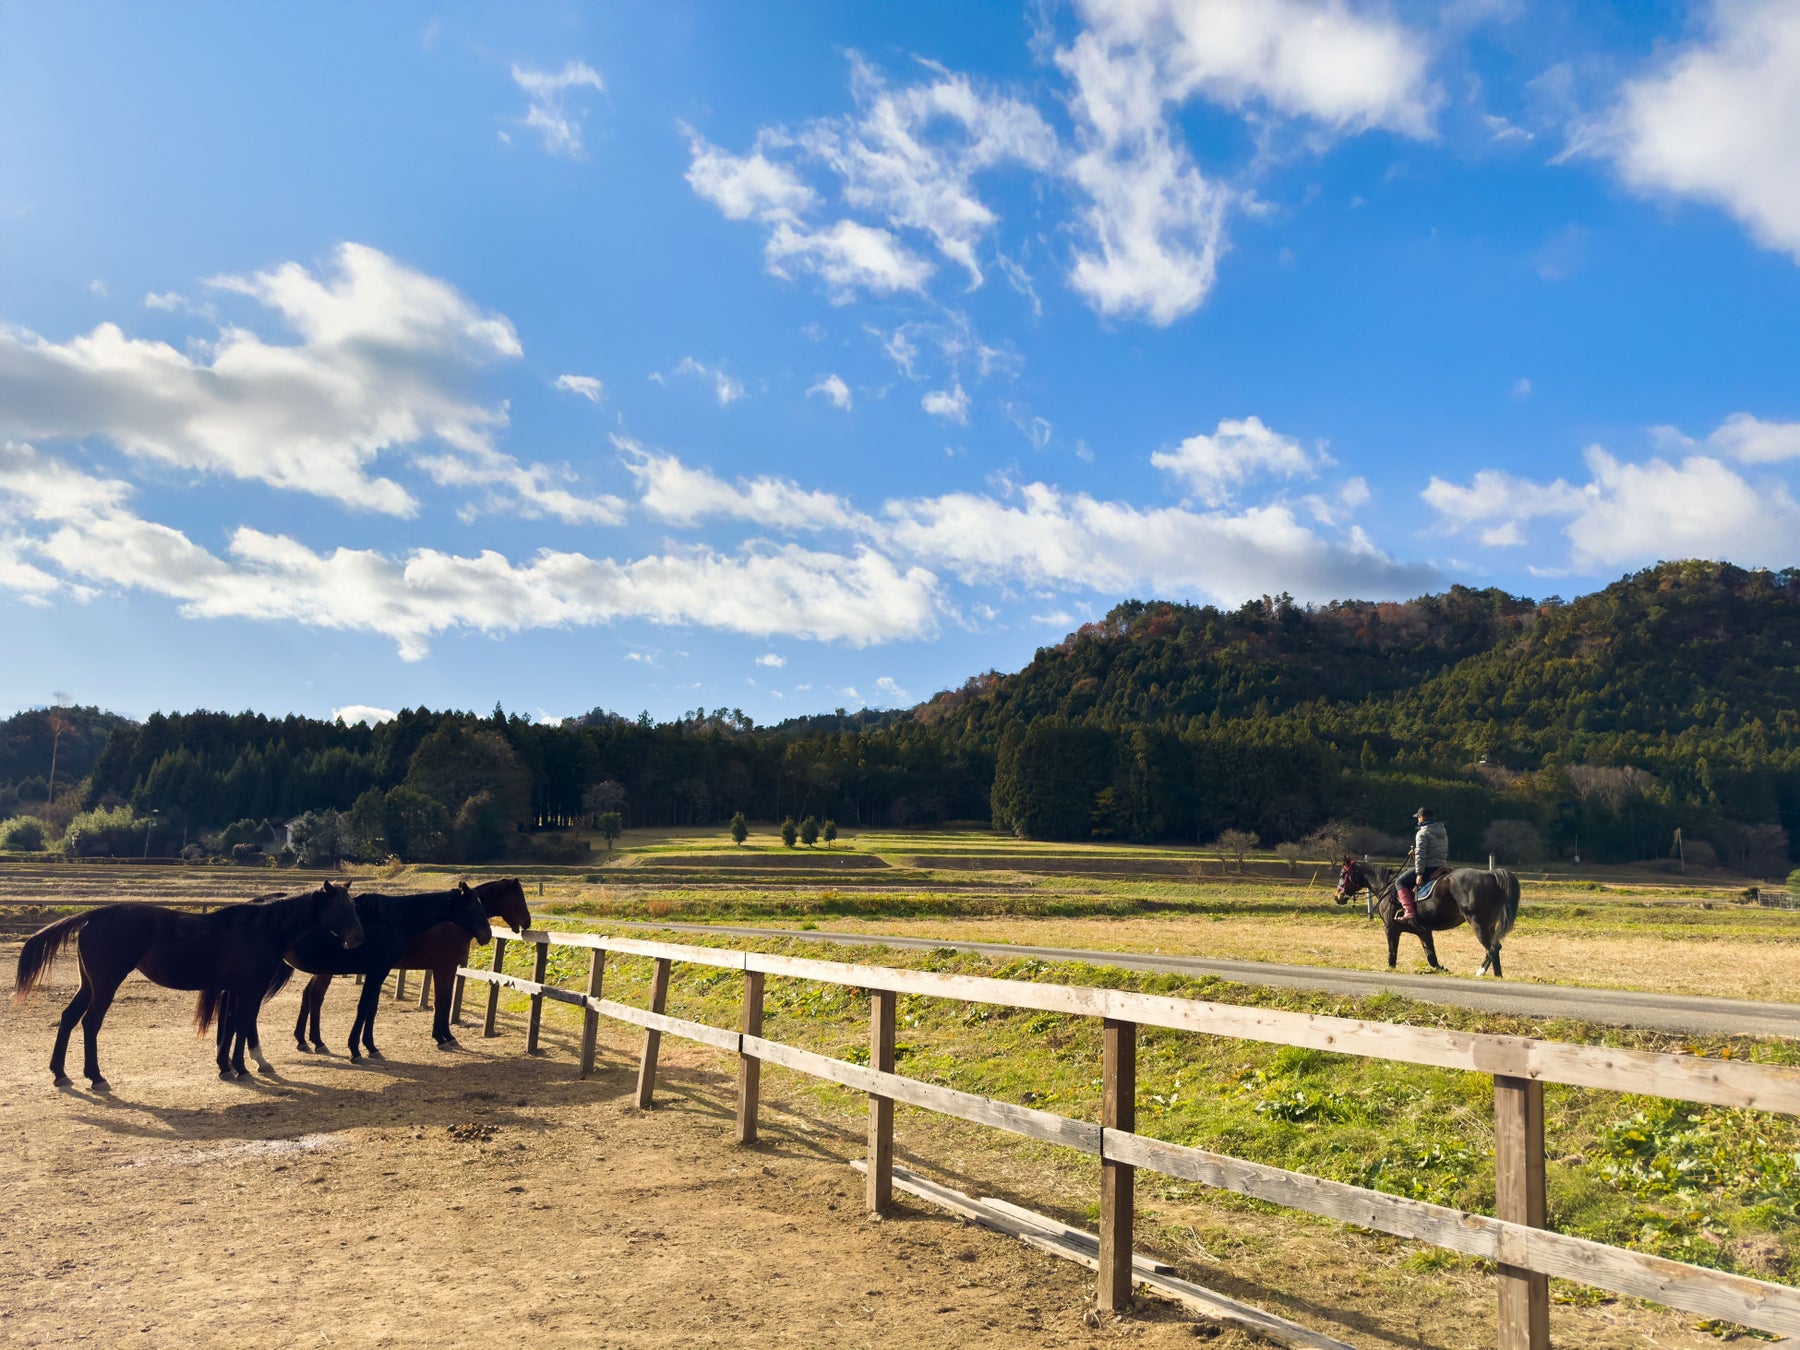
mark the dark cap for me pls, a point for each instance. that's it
(1424, 812)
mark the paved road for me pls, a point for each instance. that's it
(1620, 1007)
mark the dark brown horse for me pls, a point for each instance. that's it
(238, 949)
(1487, 901)
(439, 950)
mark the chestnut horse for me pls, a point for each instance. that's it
(439, 950)
(1487, 901)
(237, 948)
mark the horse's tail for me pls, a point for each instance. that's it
(207, 1003)
(41, 949)
(206, 1007)
(1509, 887)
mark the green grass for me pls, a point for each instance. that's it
(1713, 1186)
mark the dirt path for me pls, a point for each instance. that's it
(468, 1200)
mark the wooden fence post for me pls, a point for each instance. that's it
(493, 1007)
(878, 1181)
(456, 1002)
(424, 990)
(399, 984)
(1118, 1111)
(590, 1022)
(1519, 1198)
(539, 965)
(659, 1000)
(749, 1067)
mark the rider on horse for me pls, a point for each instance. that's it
(1430, 856)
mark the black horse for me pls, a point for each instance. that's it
(440, 951)
(1487, 901)
(237, 949)
(390, 925)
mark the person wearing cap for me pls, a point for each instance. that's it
(1430, 855)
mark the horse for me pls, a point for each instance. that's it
(1487, 901)
(439, 950)
(237, 948)
(391, 924)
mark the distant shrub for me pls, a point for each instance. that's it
(789, 832)
(106, 832)
(809, 831)
(21, 834)
(242, 832)
(246, 855)
(1361, 839)
(1291, 855)
(193, 853)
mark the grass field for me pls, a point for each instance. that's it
(1716, 1187)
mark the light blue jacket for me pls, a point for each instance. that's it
(1431, 846)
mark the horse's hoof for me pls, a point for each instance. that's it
(319, 1048)
(303, 1047)
(63, 1080)
(375, 1054)
(99, 1085)
(449, 1043)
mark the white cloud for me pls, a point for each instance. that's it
(587, 386)
(1521, 388)
(726, 389)
(1235, 453)
(894, 158)
(1074, 541)
(1715, 121)
(892, 690)
(97, 287)
(549, 113)
(672, 491)
(1349, 71)
(771, 660)
(1155, 225)
(382, 350)
(362, 712)
(835, 390)
(80, 525)
(952, 404)
(1754, 441)
(1503, 131)
(847, 257)
(165, 300)
(747, 187)
(1633, 513)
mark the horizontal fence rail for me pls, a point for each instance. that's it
(1525, 1251)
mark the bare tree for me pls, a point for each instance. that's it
(1234, 844)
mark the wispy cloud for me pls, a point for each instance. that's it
(549, 112)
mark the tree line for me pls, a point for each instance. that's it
(1601, 726)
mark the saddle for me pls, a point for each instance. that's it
(1428, 884)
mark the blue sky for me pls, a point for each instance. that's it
(792, 357)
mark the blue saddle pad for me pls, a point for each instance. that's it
(1426, 890)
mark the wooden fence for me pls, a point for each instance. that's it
(1515, 1238)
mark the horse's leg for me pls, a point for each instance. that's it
(1393, 937)
(99, 1000)
(366, 1004)
(227, 1036)
(252, 1034)
(1425, 940)
(1485, 933)
(443, 979)
(70, 1016)
(316, 989)
(300, 1017)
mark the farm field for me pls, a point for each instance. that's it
(395, 1156)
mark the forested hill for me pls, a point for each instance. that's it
(1667, 700)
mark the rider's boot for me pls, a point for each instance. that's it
(1407, 910)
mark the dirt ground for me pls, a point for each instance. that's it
(469, 1199)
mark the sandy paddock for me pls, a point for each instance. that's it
(471, 1200)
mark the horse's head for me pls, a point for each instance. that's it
(337, 913)
(1352, 880)
(470, 915)
(505, 899)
